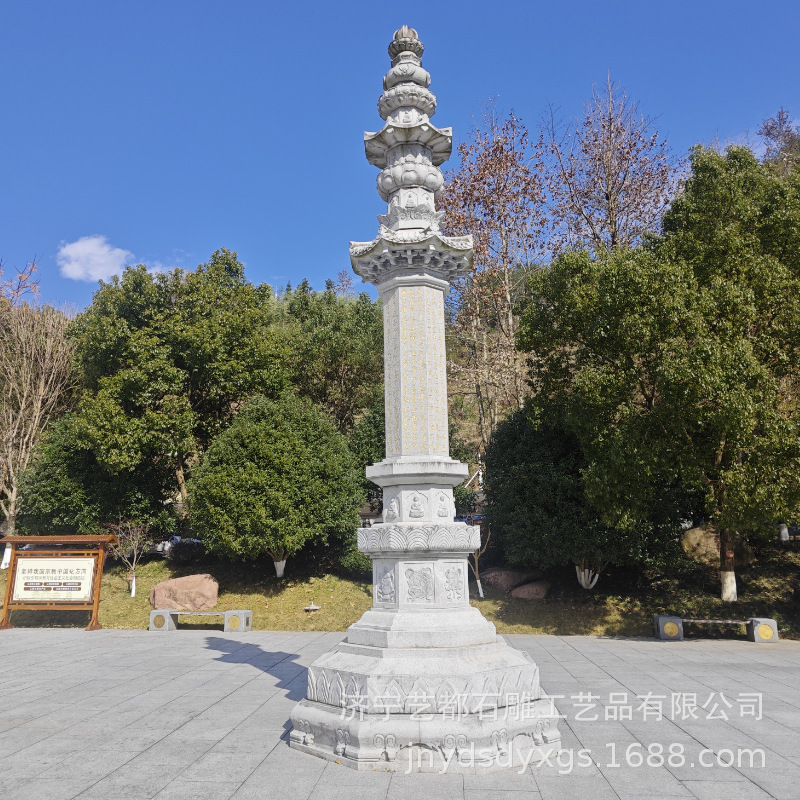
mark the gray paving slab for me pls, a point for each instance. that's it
(203, 716)
(500, 794)
(703, 790)
(182, 788)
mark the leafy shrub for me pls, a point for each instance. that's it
(352, 560)
(279, 477)
(537, 504)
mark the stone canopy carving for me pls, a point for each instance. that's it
(409, 150)
(403, 538)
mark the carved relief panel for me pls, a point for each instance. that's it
(454, 583)
(441, 583)
(451, 582)
(391, 508)
(429, 503)
(416, 508)
(384, 583)
(418, 582)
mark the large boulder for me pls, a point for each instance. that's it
(537, 590)
(702, 544)
(507, 578)
(190, 593)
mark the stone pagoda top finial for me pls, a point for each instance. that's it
(408, 150)
(405, 39)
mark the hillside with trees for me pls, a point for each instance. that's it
(166, 363)
(624, 360)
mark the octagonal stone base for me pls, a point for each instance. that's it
(423, 682)
(441, 680)
(465, 743)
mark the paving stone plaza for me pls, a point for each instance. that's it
(204, 715)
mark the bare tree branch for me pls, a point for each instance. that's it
(14, 290)
(497, 195)
(610, 175)
(37, 380)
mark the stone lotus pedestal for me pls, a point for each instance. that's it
(422, 682)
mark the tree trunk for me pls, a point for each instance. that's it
(476, 569)
(181, 478)
(727, 576)
(279, 561)
(11, 520)
(9, 506)
(587, 574)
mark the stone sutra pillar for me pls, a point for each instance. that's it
(422, 678)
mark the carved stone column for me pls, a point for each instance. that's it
(422, 676)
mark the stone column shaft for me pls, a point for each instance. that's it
(415, 368)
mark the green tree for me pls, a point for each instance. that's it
(368, 443)
(168, 358)
(67, 490)
(676, 363)
(337, 350)
(537, 505)
(279, 477)
(166, 361)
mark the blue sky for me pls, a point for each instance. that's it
(157, 132)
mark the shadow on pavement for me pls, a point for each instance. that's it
(280, 665)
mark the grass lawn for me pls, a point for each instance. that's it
(622, 604)
(276, 604)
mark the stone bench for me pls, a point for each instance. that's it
(166, 619)
(759, 629)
